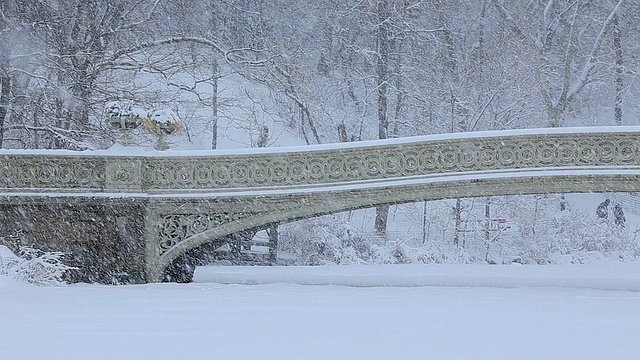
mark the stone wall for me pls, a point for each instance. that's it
(103, 238)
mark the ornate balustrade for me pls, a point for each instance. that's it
(212, 171)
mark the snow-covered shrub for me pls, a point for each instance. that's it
(577, 238)
(33, 266)
(535, 230)
(8, 260)
(326, 239)
(333, 240)
(431, 252)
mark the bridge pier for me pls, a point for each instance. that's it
(121, 240)
(104, 238)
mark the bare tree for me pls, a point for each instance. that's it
(383, 45)
(619, 70)
(5, 80)
(562, 67)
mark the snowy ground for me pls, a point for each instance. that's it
(505, 312)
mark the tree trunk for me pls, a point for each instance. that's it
(382, 70)
(556, 116)
(487, 226)
(380, 224)
(479, 55)
(425, 223)
(5, 84)
(5, 81)
(214, 107)
(617, 48)
(272, 232)
(448, 55)
(457, 214)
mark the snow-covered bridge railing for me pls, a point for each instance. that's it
(156, 206)
(308, 167)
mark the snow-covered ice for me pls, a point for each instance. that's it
(281, 319)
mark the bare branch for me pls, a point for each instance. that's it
(231, 55)
(511, 21)
(137, 23)
(590, 62)
(568, 59)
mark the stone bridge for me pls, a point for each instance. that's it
(127, 217)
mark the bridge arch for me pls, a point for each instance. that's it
(472, 184)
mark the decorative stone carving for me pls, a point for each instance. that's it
(51, 172)
(170, 174)
(392, 161)
(124, 174)
(174, 228)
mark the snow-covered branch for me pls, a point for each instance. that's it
(590, 62)
(506, 15)
(231, 55)
(134, 24)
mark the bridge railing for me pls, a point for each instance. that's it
(214, 171)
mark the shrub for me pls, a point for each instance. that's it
(33, 266)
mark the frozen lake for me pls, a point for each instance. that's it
(514, 312)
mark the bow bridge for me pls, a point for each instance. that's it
(130, 216)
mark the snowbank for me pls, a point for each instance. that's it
(608, 276)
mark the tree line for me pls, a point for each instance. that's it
(375, 68)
